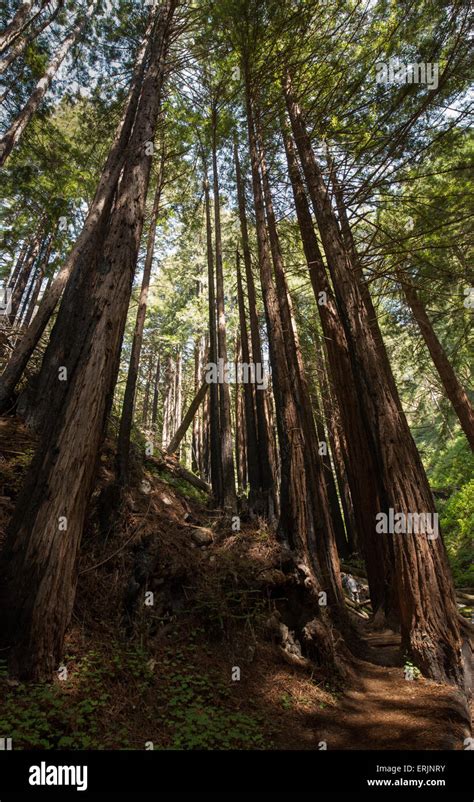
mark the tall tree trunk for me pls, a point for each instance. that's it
(253, 464)
(454, 390)
(359, 456)
(321, 534)
(146, 393)
(267, 476)
(295, 522)
(239, 416)
(214, 444)
(14, 133)
(196, 444)
(422, 580)
(178, 393)
(228, 500)
(89, 237)
(123, 443)
(80, 370)
(156, 393)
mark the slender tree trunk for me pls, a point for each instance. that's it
(89, 237)
(156, 393)
(214, 444)
(34, 297)
(240, 422)
(146, 394)
(267, 474)
(196, 445)
(253, 464)
(23, 278)
(36, 281)
(14, 133)
(24, 250)
(22, 43)
(126, 420)
(80, 370)
(229, 500)
(423, 584)
(454, 390)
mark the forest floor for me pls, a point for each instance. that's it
(199, 667)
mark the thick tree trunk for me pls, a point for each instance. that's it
(320, 535)
(422, 579)
(359, 456)
(79, 372)
(267, 477)
(295, 524)
(14, 133)
(88, 239)
(229, 499)
(339, 451)
(454, 390)
(214, 443)
(123, 443)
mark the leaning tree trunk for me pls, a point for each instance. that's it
(229, 499)
(422, 580)
(81, 366)
(125, 429)
(86, 243)
(183, 427)
(15, 132)
(454, 390)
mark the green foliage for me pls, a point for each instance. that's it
(457, 523)
(198, 715)
(45, 716)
